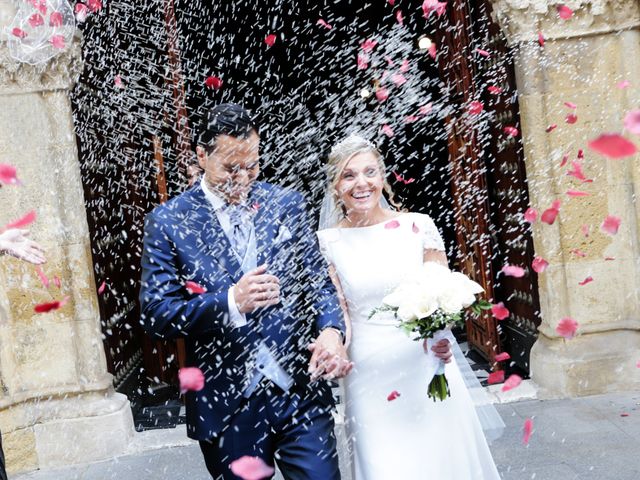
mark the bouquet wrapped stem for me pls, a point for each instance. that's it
(427, 307)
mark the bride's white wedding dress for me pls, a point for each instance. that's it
(411, 437)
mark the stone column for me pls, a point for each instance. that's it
(583, 60)
(57, 404)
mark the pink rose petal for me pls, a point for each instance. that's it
(58, 42)
(611, 224)
(577, 172)
(571, 118)
(564, 12)
(117, 81)
(482, 52)
(8, 174)
(81, 11)
(387, 130)
(550, 214)
(512, 382)
(565, 159)
(577, 193)
(94, 5)
(251, 468)
(496, 377)
(585, 281)
(511, 131)
(530, 215)
(541, 39)
(400, 178)
(433, 51)
(539, 264)
(382, 94)
(430, 6)
(513, 271)
(324, 24)
(502, 357)
(36, 20)
(493, 90)
(623, 84)
(363, 61)
(399, 17)
(191, 379)
(393, 395)
(43, 278)
(398, 79)
(567, 328)
(193, 288)
(632, 122)
(612, 145)
(528, 429)
(101, 288)
(18, 32)
(392, 224)
(585, 230)
(57, 282)
(270, 39)
(570, 105)
(368, 45)
(499, 311)
(56, 19)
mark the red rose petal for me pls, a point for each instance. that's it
(18, 32)
(94, 5)
(551, 128)
(540, 39)
(564, 12)
(393, 395)
(28, 219)
(571, 118)
(399, 17)
(475, 107)
(213, 82)
(193, 288)
(81, 11)
(191, 379)
(530, 215)
(612, 145)
(496, 377)
(578, 252)
(567, 328)
(511, 131)
(493, 90)
(270, 40)
(502, 357)
(8, 174)
(550, 214)
(585, 281)
(499, 311)
(50, 306)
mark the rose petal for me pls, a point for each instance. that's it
(398, 79)
(251, 468)
(8, 174)
(392, 224)
(270, 40)
(117, 81)
(571, 118)
(493, 90)
(512, 382)
(570, 105)
(43, 278)
(94, 5)
(368, 45)
(18, 32)
(482, 52)
(324, 24)
(193, 288)
(36, 20)
(609, 258)
(623, 84)
(81, 11)
(393, 395)
(58, 42)
(585, 281)
(404, 66)
(540, 39)
(578, 252)
(363, 61)
(511, 131)
(496, 377)
(57, 282)
(567, 328)
(430, 6)
(565, 159)
(400, 178)
(502, 357)
(513, 271)
(50, 306)
(387, 130)
(101, 288)
(611, 224)
(585, 230)
(577, 193)
(475, 107)
(399, 17)
(551, 128)
(382, 94)
(191, 379)
(550, 214)
(564, 12)
(213, 82)
(612, 145)
(577, 172)
(539, 264)
(632, 122)
(411, 119)
(528, 429)
(530, 215)
(432, 50)
(499, 311)
(426, 109)
(28, 219)
(56, 19)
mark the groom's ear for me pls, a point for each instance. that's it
(201, 155)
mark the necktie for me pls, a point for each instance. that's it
(240, 228)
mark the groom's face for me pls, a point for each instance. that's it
(232, 167)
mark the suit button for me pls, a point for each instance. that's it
(260, 367)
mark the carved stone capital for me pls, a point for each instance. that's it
(59, 73)
(521, 20)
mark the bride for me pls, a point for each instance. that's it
(395, 430)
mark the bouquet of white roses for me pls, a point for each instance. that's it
(429, 303)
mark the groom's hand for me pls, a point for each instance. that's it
(442, 349)
(256, 289)
(329, 357)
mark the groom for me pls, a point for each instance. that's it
(268, 298)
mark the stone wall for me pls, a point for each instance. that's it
(583, 60)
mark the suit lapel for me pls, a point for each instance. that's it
(212, 239)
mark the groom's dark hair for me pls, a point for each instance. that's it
(226, 119)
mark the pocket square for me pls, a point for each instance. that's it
(283, 234)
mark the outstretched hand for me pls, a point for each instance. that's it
(15, 242)
(329, 357)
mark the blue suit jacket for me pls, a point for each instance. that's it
(183, 240)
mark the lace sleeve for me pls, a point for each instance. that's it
(431, 238)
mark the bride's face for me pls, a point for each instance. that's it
(360, 184)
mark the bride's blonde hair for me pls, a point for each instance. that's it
(344, 151)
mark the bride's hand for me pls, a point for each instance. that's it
(329, 358)
(442, 349)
